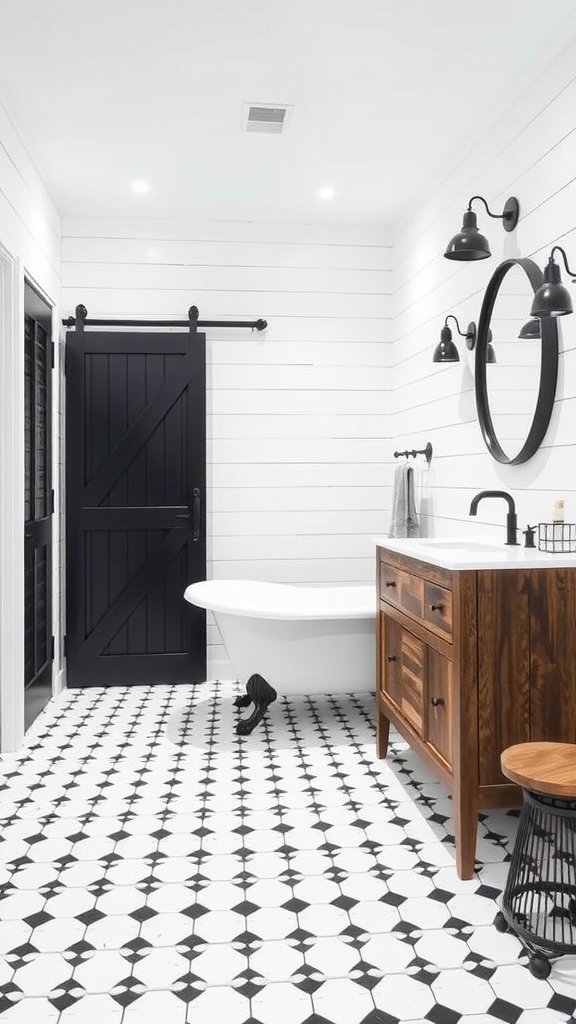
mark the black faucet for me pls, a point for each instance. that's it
(511, 521)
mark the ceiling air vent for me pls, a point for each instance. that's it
(261, 117)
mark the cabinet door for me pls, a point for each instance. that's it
(403, 670)
(439, 705)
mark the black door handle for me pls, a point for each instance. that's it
(196, 514)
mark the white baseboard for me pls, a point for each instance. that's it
(220, 668)
(59, 682)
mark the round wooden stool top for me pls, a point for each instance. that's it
(543, 767)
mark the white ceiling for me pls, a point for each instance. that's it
(106, 91)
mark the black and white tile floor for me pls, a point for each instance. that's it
(157, 869)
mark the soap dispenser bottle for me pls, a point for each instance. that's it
(558, 520)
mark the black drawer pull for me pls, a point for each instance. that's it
(391, 657)
(436, 701)
(390, 583)
(436, 607)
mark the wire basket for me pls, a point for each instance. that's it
(557, 537)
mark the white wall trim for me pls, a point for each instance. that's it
(11, 504)
(59, 683)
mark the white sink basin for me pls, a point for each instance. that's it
(460, 545)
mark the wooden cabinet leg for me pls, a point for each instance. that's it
(466, 828)
(382, 731)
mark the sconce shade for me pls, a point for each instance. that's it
(468, 244)
(490, 353)
(531, 329)
(552, 298)
(446, 351)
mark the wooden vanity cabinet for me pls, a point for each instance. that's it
(470, 662)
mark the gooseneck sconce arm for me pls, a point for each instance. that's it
(552, 298)
(509, 215)
(469, 244)
(446, 351)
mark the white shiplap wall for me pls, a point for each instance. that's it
(30, 232)
(298, 420)
(530, 153)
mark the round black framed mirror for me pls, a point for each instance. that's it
(513, 322)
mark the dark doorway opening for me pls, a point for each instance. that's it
(38, 504)
(135, 519)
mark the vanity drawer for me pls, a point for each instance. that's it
(401, 589)
(437, 602)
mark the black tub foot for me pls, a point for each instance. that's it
(261, 694)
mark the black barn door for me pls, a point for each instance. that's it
(38, 505)
(136, 485)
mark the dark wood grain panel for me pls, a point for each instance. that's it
(553, 655)
(503, 666)
(437, 608)
(465, 751)
(413, 654)
(438, 704)
(382, 720)
(388, 582)
(402, 589)
(416, 567)
(404, 671)
(391, 659)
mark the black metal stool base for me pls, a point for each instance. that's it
(539, 901)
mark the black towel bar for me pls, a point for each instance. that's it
(427, 451)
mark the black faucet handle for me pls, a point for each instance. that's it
(529, 533)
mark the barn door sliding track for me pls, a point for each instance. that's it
(80, 321)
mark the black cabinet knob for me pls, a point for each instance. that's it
(436, 701)
(436, 607)
(391, 657)
(390, 583)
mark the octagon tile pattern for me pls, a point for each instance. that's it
(155, 867)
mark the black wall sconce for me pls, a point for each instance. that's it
(530, 330)
(446, 351)
(552, 298)
(469, 244)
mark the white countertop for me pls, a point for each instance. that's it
(475, 553)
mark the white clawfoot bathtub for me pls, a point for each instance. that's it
(300, 639)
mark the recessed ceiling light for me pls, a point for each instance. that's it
(140, 186)
(327, 192)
